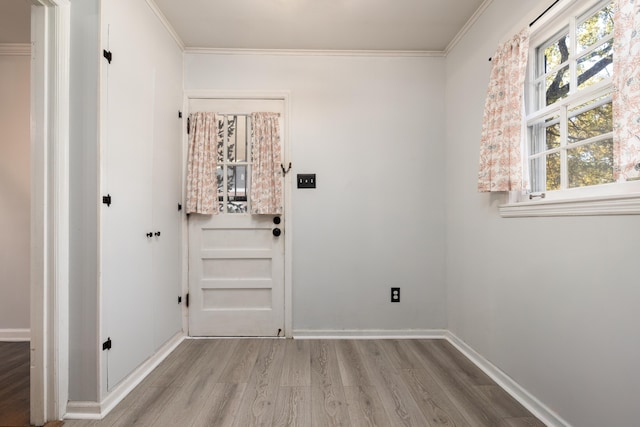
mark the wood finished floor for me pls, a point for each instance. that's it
(316, 383)
(14, 384)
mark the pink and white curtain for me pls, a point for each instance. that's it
(626, 93)
(202, 188)
(501, 146)
(266, 157)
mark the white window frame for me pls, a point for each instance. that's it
(620, 198)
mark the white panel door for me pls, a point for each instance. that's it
(127, 177)
(236, 260)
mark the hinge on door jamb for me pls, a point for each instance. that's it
(187, 300)
(188, 125)
(107, 344)
(107, 200)
(107, 54)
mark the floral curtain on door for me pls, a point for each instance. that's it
(501, 144)
(626, 92)
(266, 157)
(202, 189)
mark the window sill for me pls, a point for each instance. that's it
(618, 204)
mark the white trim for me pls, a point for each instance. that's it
(616, 204)
(165, 23)
(50, 35)
(515, 390)
(97, 411)
(467, 26)
(15, 49)
(312, 52)
(369, 334)
(15, 335)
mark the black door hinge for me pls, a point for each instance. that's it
(179, 206)
(179, 299)
(107, 54)
(187, 300)
(179, 114)
(188, 125)
(106, 200)
(107, 344)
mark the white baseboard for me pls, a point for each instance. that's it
(96, 411)
(15, 335)
(369, 334)
(526, 399)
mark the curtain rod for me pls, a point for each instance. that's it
(541, 15)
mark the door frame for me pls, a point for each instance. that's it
(49, 259)
(284, 96)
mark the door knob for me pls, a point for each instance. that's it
(277, 232)
(276, 220)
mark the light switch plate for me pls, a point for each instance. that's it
(306, 180)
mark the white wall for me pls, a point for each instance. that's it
(553, 302)
(15, 194)
(371, 128)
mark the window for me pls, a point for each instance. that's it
(569, 100)
(234, 163)
(574, 165)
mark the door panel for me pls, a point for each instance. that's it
(236, 286)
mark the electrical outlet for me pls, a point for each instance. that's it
(395, 294)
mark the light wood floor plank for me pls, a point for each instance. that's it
(501, 402)
(241, 362)
(258, 402)
(221, 406)
(329, 405)
(521, 422)
(365, 407)
(432, 399)
(293, 407)
(396, 398)
(199, 381)
(454, 384)
(352, 370)
(400, 357)
(297, 364)
(145, 410)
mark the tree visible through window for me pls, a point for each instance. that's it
(570, 111)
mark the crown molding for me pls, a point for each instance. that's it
(15, 49)
(312, 52)
(165, 23)
(467, 26)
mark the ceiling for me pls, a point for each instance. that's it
(387, 25)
